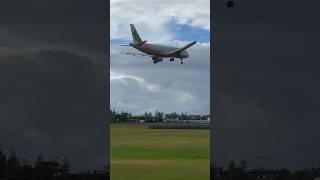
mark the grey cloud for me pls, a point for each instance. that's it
(51, 103)
(182, 88)
(48, 23)
(264, 61)
(54, 85)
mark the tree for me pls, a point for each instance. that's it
(13, 162)
(3, 164)
(232, 166)
(243, 164)
(24, 162)
(39, 166)
(148, 116)
(39, 161)
(46, 168)
(158, 116)
(232, 170)
(65, 167)
(184, 116)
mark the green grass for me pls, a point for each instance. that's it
(139, 153)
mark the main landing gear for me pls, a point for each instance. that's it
(181, 61)
(172, 59)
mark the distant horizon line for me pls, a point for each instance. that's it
(154, 111)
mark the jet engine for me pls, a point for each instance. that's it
(157, 59)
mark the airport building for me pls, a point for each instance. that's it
(181, 124)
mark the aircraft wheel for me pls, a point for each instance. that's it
(181, 62)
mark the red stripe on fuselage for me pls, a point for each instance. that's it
(145, 46)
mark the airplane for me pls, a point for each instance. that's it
(157, 52)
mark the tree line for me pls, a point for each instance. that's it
(241, 172)
(148, 116)
(12, 167)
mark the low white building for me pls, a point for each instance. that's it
(141, 121)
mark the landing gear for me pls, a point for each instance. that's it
(157, 59)
(181, 61)
(171, 59)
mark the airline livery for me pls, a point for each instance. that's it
(157, 52)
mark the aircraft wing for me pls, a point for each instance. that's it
(181, 49)
(136, 54)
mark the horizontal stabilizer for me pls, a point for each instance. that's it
(136, 54)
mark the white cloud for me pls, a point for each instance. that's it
(143, 84)
(151, 17)
(138, 85)
(137, 95)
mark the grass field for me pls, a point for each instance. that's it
(139, 153)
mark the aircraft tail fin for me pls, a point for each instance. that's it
(135, 35)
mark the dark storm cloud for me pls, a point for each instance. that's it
(265, 86)
(80, 24)
(51, 103)
(53, 84)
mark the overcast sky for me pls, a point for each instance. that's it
(137, 84)
(266, 90)
(53, 80)
(265, 70)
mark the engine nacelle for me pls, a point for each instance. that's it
(182, 54)
(157, 59)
